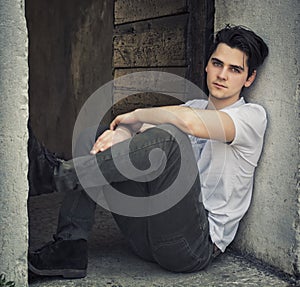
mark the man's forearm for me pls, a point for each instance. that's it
(210, 124)
(181, 117)
(163, 115)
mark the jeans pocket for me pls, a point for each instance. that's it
(175, 254)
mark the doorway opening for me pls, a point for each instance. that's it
(75, 47)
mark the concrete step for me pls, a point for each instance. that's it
(112, 264)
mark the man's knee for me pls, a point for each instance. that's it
(176, 255)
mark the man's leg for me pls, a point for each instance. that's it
(76, 216)
(177, 239)
(139, 151)
(67, 255)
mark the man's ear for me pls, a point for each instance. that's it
(250, 80)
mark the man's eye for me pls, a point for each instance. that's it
(217, 64)
(235, 70)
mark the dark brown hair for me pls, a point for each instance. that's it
(245, 40)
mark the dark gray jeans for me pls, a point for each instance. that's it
(177, 239)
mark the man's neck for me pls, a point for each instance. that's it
(218, 104)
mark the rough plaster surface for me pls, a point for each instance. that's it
(270, 230)
(13, 141)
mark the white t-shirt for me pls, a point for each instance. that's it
(226, 170)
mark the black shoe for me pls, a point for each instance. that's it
(42, 164)
(67, 258)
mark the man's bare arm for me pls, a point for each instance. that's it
(210, 124)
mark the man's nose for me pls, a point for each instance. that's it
(223, 74)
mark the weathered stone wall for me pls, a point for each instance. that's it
(270, 230)
(70, 56)
(13, 140)
(168, 36)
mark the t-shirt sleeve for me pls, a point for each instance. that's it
(250, 121)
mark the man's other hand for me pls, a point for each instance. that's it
(109, 138)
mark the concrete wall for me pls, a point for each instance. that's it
(13, 141)
(270, 230)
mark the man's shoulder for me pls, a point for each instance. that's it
(253, 108)
(250, 120)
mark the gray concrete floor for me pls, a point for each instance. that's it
(112, 264)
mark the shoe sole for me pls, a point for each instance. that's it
(65, 273)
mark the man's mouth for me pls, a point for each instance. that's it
(219, 85)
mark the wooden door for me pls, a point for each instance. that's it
(164, 35)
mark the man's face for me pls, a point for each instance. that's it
(227, 74)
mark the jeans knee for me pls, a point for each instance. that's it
(176, 255)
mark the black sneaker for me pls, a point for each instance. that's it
(66, 258)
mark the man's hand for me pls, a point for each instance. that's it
(129, 119)
(109, 138)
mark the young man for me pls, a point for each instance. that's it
(225, 142)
